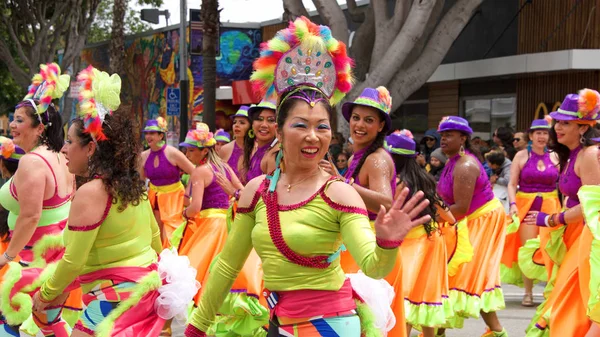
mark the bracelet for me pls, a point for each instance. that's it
(513, 203)
(349, 181)
(236, 195)
(8, 257)
(388, 244)
(550, 220)
(184, 214)
(547, 219)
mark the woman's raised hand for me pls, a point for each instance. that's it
(394, 224)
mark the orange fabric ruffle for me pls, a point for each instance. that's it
(170, 207)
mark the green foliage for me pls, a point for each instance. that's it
(10, 92)
(102, 26)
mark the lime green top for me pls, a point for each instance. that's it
(317, 226)
(49, 216)
(121, 239)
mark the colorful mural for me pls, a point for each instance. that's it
(152, 66)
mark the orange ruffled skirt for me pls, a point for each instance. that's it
(527, 258)
(168, 201)
(394, 278)
(202, 240)
(425, 278)
(475, 285)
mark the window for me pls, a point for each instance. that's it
(411, 115)
(486, 114)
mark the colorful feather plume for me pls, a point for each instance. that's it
(302, 54)
(405, 133)
(47, 85)
(162, 123)
(589, 104)
(99, 95)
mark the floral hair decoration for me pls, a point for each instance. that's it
(99, 95)
(589, 104)
(45, 86)
(9, 150)
(200, 138)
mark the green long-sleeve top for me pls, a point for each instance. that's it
(130, 238)
(317, 226)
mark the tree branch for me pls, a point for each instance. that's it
(356, 14)
(401, 10)
(394, 57)
(362, 44)
(331, 13)
(409, 80)
(293, 9)
(431, 24)
(20, 76)
(17, 42)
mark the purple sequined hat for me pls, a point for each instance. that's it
(401, 143)
(242, 112)
(379, 99)
(583, 106)
(596, 140)
(455, 123)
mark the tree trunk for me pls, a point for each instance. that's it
(117, 41)
(331, 13)
(407, 81)
(83, 16)
(210, 19)
(293, 9)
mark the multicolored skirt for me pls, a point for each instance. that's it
(168, 201)
(425, 278)
(345, 324)
(475, 285)
(526, 257)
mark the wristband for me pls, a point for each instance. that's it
(388, 244)
(561, 219)
(513, 204)
(542, 220)
(8, 257)
(192, 331)
(349, 181)
(184, 214)
(236, 195)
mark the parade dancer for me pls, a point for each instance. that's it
(112, 240)
(222, 138)
(161, 164)
(307, 290)
(564, 311)
(532, 187)
(259, 139)
(233, 152)
(465, 188)
(423, 251)
(36, 220)
(206, 231)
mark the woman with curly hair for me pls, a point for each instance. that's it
(112, 240)
(307, 291)
(423, 251)
(564, 311)
(161, 165)
(36, 220)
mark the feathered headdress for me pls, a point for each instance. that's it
(45, 86)
(201, 137)
(99, 95)
(304, 54)
(9, 150)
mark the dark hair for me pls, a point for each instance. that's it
(563, 151)
(526, 135)
(11, 167)
(495, 157)
(53, 136)
(377, 143)
(115, 159)
(506, 135)
(417, 179)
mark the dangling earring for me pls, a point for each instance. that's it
(581, 139)
(251, 133)
(461, 152)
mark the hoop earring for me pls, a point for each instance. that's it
(461, 152)
(251, 133)
(581, 139)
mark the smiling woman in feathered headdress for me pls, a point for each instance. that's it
(294, 218)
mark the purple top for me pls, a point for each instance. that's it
(350, 172)
(533, 180)
(481, 194)
(234, 159)
(214, 195)
(569, 183)
(163, 175)
(254, 169)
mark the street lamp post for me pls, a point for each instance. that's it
(183, 79)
